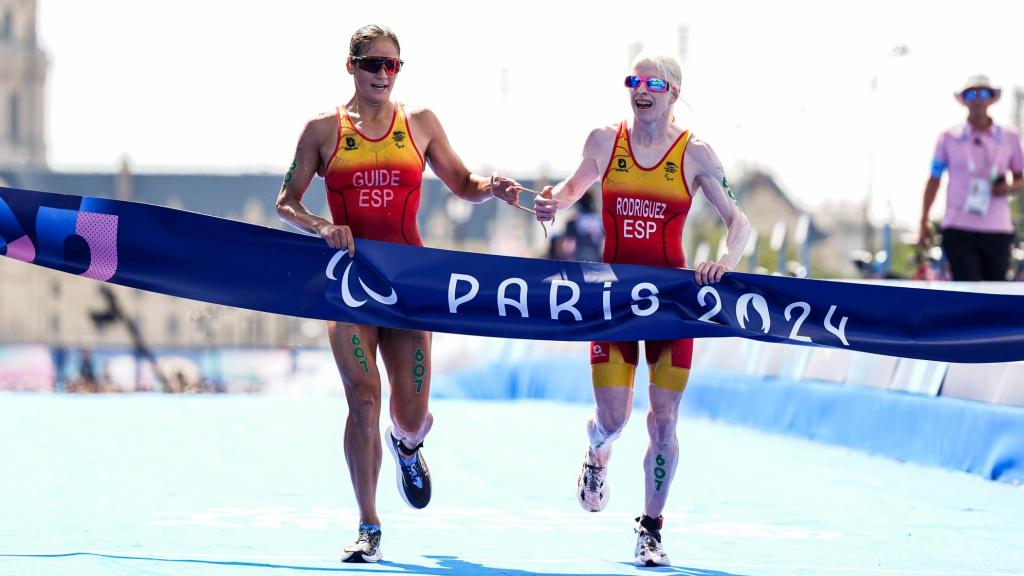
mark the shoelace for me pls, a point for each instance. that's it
(415, 474)
(366, 536)
(649, 541)
(590, 477)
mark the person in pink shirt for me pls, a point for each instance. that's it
(976, 229)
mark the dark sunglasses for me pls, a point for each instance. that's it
(972, 94)
(373, 64)
(653, 84)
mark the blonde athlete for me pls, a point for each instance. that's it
(649, 170)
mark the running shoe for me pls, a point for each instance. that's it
(413, 474)
(592, 490)
(366, 547)
(648, 551)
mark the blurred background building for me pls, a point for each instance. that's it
(37, 305)
(23, 67)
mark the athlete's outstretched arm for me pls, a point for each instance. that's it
(567, 192)
(305, 165)
(710, 177)
(449, 167)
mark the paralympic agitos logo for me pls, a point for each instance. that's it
(346, 289)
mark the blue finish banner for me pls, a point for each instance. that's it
(224, 262)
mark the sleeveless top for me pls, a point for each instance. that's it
(645, 207)
(373, 185)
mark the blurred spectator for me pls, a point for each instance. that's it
(586, 230)
(86, 381)
(60, 358)
(86, 371)
(976, 229)
(562, 247)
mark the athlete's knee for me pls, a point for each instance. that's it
(606, 426)
(363, 402)
(661, 426)
(614, 422)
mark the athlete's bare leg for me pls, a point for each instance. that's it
(614, 405)
(354, 348)
(663, 449)
(406, 356)
(613, 394)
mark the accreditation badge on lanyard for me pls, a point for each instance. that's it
(979, 194)
(979, 191)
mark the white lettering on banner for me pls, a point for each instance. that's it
(841, 331)
(517, 304)
(806, 308)
(714, 309)
(463, 288)
(652, 298)
(453, 281)
(761, 307)
(556, 308)
(606, 301)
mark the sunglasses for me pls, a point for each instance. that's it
(653, 84)
(972, 94)
(373, 64)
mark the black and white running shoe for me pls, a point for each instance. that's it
(413, 474)
(592, 490)
(648, 551)
(366, 548)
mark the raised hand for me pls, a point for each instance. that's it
(505, 189)
(545, 206)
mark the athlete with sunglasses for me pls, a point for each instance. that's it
(977, 230)
(649, 170)
(371, 152)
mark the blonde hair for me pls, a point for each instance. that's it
(667, 66)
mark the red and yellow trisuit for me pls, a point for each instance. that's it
(373, 184)
(645, 208)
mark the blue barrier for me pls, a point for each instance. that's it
(975, 437)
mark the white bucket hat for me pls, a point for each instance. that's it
(978, 81)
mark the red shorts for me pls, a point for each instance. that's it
(668, 362)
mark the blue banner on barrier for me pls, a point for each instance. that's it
(215, 260)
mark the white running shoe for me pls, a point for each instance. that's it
(649, 552)
(592, 490)
(366, 547)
